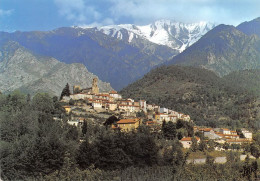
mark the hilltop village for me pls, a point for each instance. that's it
(90, 102)
(130, 112)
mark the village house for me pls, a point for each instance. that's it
(150, 107)
(97, 105)
(154, 126)
(115, 95)
(112, 106)
(128, 124)
(164, 110)
(209, 133)
(128, 105)
(173, 118)
(227, 136)
(105, 97)
(143, 105)
(247, 134)
(187, 141)
(76, 121)
(156, 108)
(67, 109)
(225, 131)
(128, 108)
(160, 117)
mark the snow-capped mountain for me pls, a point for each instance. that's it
(175, 35)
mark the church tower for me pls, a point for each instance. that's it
(95, 89)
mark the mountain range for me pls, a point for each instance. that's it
(250, 27)
(111, 58)
(121, 54)
(225, 49)
(22, 69)
(216, 80)
(175, 35)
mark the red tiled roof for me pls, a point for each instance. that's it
(205, 129)
(220, 134)
(151, 122)
(189, 138)
(113, 92)
(225, 129)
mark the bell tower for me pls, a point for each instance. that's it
(95, 89)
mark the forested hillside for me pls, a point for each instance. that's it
(208, 99)
(246, 79)
(35, 146)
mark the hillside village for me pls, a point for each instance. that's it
(131, 114)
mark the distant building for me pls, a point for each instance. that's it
(143, 105)
(187, 141)
(97, 105)
(112, 106)
(76, 121)
(91, 90)
(209, 133)
(164, 110)
(247, 134)
(115, 95)
(67, 109)
(150, 107)
(225, 131)
(160, 117)
(128, 124)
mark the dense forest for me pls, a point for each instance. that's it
(38, 144)
(207, 98)
(246, 79)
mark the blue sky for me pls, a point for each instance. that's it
(28, 15)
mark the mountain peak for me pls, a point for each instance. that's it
(250, 27)
(176, 35)
(223, 49)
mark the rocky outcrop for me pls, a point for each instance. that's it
(21, 69)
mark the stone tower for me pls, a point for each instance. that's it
(95, 89)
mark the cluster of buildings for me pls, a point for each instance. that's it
(126, 108)
(220, 135)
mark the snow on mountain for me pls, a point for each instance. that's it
(175, 35)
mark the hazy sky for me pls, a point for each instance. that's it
(27, 15)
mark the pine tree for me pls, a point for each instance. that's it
(65, 91)
(84, 127)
